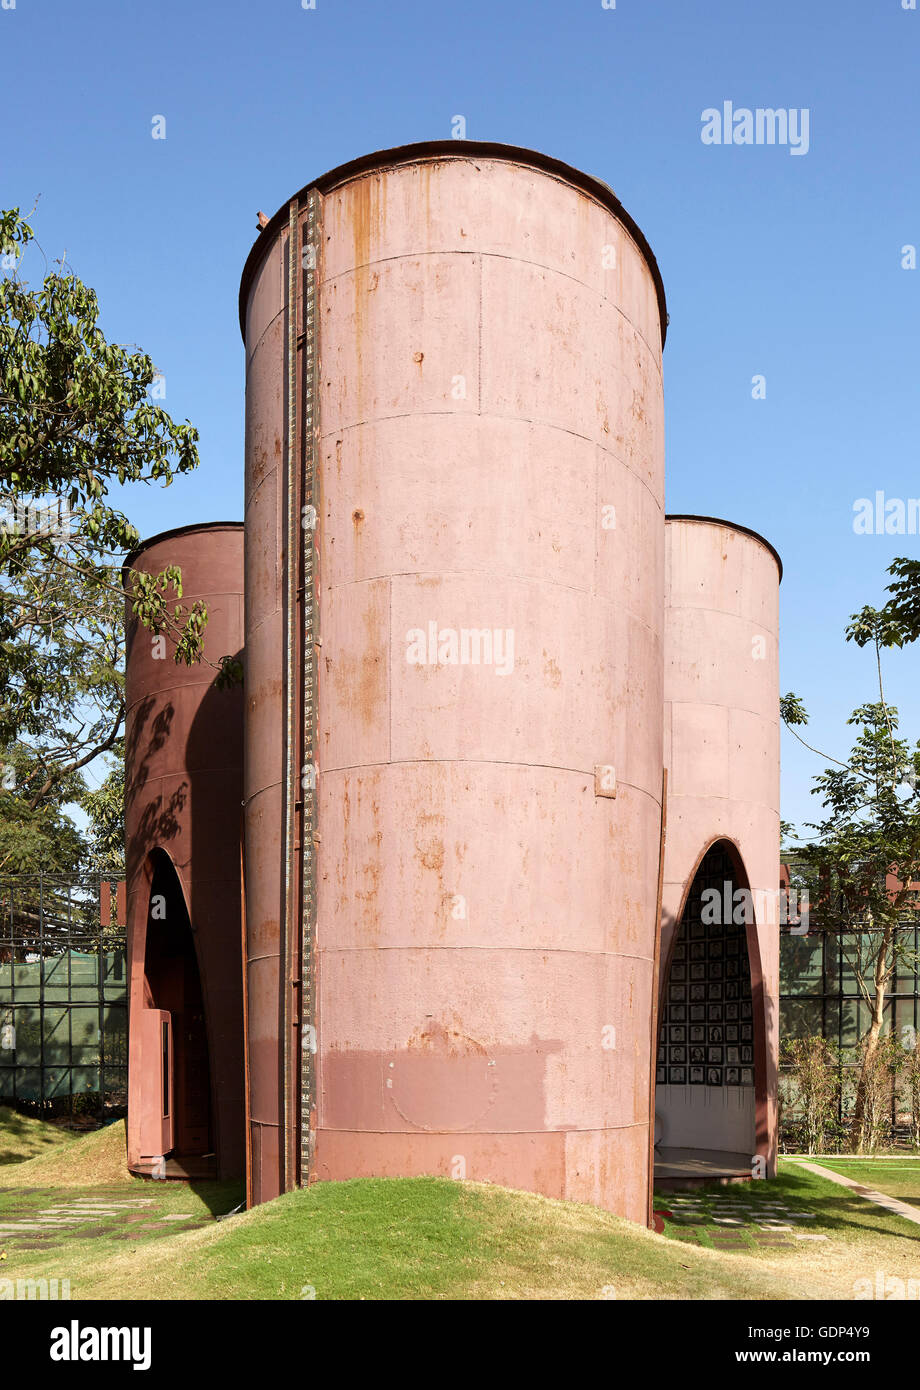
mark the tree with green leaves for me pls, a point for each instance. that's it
(76, 419)
(902, 611)
(864, 856)
(42, 851)
(810, 1090)
(40, 839)
(105, 811)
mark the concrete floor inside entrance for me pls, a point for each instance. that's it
(682, 1168)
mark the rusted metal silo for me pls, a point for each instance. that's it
(183, 823)
(453, 676)
(721, 747)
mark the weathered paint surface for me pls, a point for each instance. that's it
(264, 697)
(721, 746)
(491, 458)
(183, 753)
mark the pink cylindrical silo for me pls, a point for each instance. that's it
(489, 543)
(721, 748)
(183, 824)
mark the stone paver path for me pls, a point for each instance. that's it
(736, 1223)
(41, 1217)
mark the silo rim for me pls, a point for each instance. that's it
(446, 149)
(732, 526)
(130, 558)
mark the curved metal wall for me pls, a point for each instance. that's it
(721, 746)
(264, 730)
(183, 793)
(491, 459)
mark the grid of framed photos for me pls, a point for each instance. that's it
(707, 1027)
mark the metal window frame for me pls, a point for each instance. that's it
(831, 974)
(68, 921)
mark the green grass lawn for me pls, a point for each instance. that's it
(897, 1175)
(429, 1238)
(416, 1238)
(59, 1158)
(22, 1137)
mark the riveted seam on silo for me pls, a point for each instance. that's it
(288, 920)
(309, 675)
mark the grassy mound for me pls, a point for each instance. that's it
(427, 1238)
(66, 1160)
(21, 1137)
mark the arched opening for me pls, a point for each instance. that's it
(175, 1120)
(710, 1060)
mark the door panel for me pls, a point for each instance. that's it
(158, 1087)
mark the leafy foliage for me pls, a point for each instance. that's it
(810, 1088)
(42, 838)
(105, 809)
(910, 1078)
(864, 856)
(75, 421)
(902, 610)
(792, 711)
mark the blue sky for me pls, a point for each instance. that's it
(784, 266)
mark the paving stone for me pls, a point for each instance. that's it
(98, 1206)
(108, 1201)
(808, 1235)
(92, 1206)
(82, 1215)
(117, 1206)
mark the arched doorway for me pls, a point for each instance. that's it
(175, 1121)
(709, 1059)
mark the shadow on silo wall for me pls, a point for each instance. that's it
(214, 759)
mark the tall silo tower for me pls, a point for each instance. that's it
(718, 1037)
(454, 613)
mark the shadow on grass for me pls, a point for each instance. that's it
(220, 1196)
(16, 1126)
(838, 1211)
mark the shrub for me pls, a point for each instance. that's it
(810, 1091)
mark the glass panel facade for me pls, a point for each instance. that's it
(820, 996)
(63, 996)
